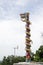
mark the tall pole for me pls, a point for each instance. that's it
(15, 50)
(25, 18)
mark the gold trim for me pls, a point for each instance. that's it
(28, 44)
(28, 33)
(28, 22)
(28, 39)
(27, 49)
(27, 28)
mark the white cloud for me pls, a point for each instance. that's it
(12, 32)
(25, 2)
(36, 28)
(22, 2)
(11, 35)
(10, 9)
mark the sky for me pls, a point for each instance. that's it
(12, 29)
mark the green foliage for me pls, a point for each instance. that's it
(32, 56)
(0, 62)
(39, 54)
(4, 61)
(38, 57)
(11, 59)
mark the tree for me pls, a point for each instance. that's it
(12, 59)
(4, 61)
(39, 54)
(8, 61)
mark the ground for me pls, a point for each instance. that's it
(29, 63)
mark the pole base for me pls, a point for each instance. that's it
(28, 60)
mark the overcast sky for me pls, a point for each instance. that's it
(12, 29)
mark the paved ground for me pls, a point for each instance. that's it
(27, 63)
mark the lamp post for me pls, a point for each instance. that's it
(25, 18)
(15, 50)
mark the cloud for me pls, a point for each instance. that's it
(36, 28)
(7, 8)
(12, 32)
(22, 2)
(25, 2)
(10, 9)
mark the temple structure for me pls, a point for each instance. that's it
(25, 18)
